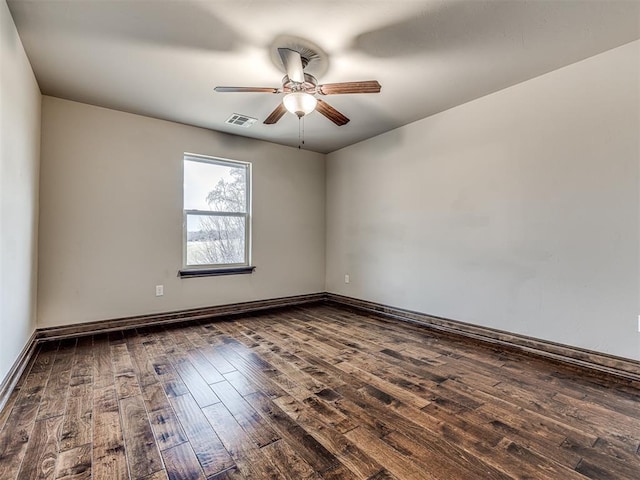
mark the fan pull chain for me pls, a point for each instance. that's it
(300, 132)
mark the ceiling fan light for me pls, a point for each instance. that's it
(300, 103)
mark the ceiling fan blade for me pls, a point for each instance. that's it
(276, 114)
(247, 89)
(368, 86)
(292, 62)
(331, 113)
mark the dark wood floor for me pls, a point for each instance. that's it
(308, 393)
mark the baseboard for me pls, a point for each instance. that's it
(127, 323)
(11, 380)
(591, 360)
(596, 361)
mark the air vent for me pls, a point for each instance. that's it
(241, 120)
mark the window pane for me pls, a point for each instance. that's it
(212, 239)
(220, 188)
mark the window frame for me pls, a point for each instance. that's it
(188, 270)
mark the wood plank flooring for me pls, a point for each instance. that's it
(314, 392)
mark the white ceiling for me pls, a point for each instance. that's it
(162, 58)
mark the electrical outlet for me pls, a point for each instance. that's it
(346, 278)
(159, 290)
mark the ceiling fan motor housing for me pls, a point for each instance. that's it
(310, 84)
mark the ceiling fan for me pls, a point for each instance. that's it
(301, 88)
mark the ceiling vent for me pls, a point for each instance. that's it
(241, 120)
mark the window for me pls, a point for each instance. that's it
(216, 216)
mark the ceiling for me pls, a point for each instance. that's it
(162, 58)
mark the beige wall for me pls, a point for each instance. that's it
(111, 216)
(517, 211)
(19, 162)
